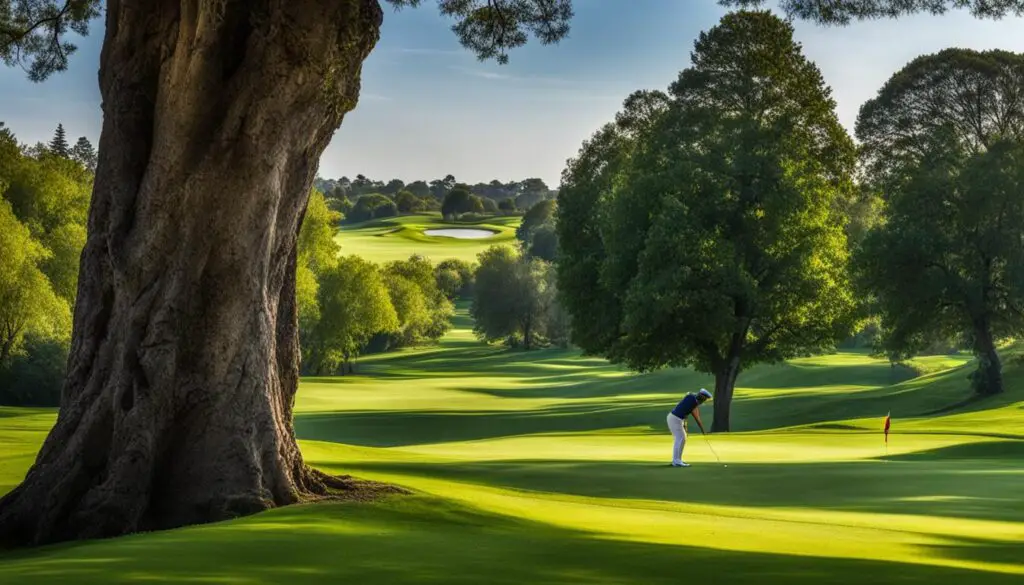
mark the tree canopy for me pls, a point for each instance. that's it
(716, 241)
(944, 144)
(843, 12)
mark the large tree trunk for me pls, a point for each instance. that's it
(987, 380)
(177, 408)
(725, 382)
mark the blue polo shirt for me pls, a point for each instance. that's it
(685, 406)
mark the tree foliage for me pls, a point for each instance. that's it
(28, 304)
(843, 12)
(490, 28)
(944, 143)
(84, 153)
(372, 206)
(439, 310)
(513, 299)
(32, 32)
(455, 278)
(354, 306)
(407, 202)
(59, 144)
(701, 229)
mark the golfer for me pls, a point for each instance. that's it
(677, 422)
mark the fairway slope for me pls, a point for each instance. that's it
(549, 467)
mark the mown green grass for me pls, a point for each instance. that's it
(398, 238)
(548, 467)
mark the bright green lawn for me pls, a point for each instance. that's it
(398, 238)
(549, 468)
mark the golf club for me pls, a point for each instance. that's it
(708, 441)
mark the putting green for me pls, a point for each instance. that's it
(397, 238)
(548, 467)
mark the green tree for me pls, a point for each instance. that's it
(414, 317)
(317, 248)
(407, 202)
(28, 304)
(372, 206)
(273, 90)
(84, 153)
(456, 202)
(354, 306)
(843, 12)
(508, 298)
(508, 204)
(318, 253)
(488, 205)
(720, 245)
(393, 186)
(459, 286)
(541, 214)
(59, 144)
(419, 271)
(948, 257)
(419, 189)
(543, 243)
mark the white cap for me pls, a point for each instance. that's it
(704, 392)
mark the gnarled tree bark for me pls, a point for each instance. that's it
(177, 407)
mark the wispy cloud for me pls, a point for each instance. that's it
(493, 75)
(374, 97)
(419, 51)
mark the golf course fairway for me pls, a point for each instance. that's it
(546, 467)
(397, 238)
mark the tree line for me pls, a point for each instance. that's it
(732, 220)
(44, 199)
(363, 199)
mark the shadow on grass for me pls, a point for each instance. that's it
(420, 540)
(948, 488)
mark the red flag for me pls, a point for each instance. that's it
(887, 427)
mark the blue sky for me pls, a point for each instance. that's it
(429, 108)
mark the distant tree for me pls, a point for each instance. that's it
(949, 256)
(419, 189)
(440, 187)
(35, 375)
(28, 303)
(449, 282)
(466, 278)
(414, 317)
(508, 297)
(393, 186)
(317, 248)
(531, 192)
(488, 205)
(419, 271)
(722, 202)
(407, 202)
(845, 11)
(84, 153)
(343, 206)
(507, 204)
(458, 201)
(354, 306)
(475, 204)
(59, 144)
(542, 213)
(557, 324)
(543, 243)
(372, 206)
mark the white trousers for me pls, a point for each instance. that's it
(678, 428)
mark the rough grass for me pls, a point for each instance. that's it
(397, 238)
(549, 468)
